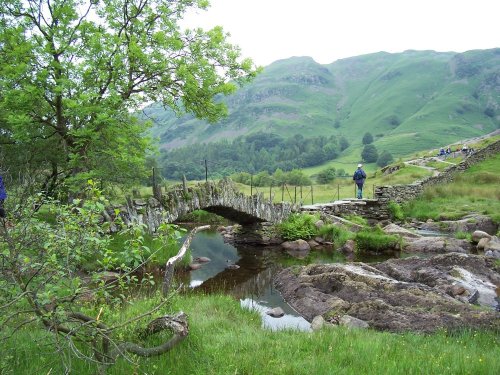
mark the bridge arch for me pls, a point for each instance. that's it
(222, 198)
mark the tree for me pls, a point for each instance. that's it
(42, 284)
(367, 138)
(72, 72)
(384, 159)
(369, 154)
(326, 175)
(344, 143)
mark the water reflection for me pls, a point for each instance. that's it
(251, 282)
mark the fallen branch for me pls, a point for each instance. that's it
(170, 265)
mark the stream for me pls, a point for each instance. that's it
(251, 282)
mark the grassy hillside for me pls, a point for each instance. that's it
(408, 101)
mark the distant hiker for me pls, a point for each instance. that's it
(359, 178)
(3, 197)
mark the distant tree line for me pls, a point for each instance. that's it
(252, 154)
(294, 177)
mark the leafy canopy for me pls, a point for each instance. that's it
(72, 72)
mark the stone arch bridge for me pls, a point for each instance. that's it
(221, 198)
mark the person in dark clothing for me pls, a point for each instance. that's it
(359, 178)
(3, 197)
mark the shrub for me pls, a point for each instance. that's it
(395, 211)
(385, 159)
(298, 226)
(335, 233)
(367, 138)
(326, 175)
(375, 240)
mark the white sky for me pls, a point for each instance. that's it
(328, 30)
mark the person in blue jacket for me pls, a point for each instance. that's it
(3, 197)
(359, 178)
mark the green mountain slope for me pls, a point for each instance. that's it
(409, 101)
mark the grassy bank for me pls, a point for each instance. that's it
(226, 339)
(474, 191)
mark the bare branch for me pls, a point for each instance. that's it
(170, 265)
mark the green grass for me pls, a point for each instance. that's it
(337, 234)
(340, 188)
(474, 191)
(376, 240)
(226, 339)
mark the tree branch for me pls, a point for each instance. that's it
(170, 265)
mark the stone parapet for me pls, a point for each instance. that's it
(221, 198)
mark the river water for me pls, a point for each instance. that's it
(251, 282)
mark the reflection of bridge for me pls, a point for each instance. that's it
(253, 278)
(221, 198)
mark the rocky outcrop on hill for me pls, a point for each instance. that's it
(411, 294)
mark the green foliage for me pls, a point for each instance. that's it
(69, 83)
(337, 234)
(203, 217)
(133, 247)
(42, 283)
(294, 177)
(367, 138)
(375, 240)
(360, 220)
(369, 154)
(490, 112)
(395, 210)
(252, 154)
(343, 143)
(326, 176)
(384, 159)
(298, 226)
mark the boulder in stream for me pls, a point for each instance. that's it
(437, 245)
(297, 245)
(276, 312)
(396, 229)
(478, 235)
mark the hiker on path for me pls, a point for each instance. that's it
(359, 178)
(3, 196)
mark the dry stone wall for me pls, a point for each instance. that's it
(404, 193)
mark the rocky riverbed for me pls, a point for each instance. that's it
(450, 290)
(449, 283)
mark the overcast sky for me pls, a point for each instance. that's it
(328, 30)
